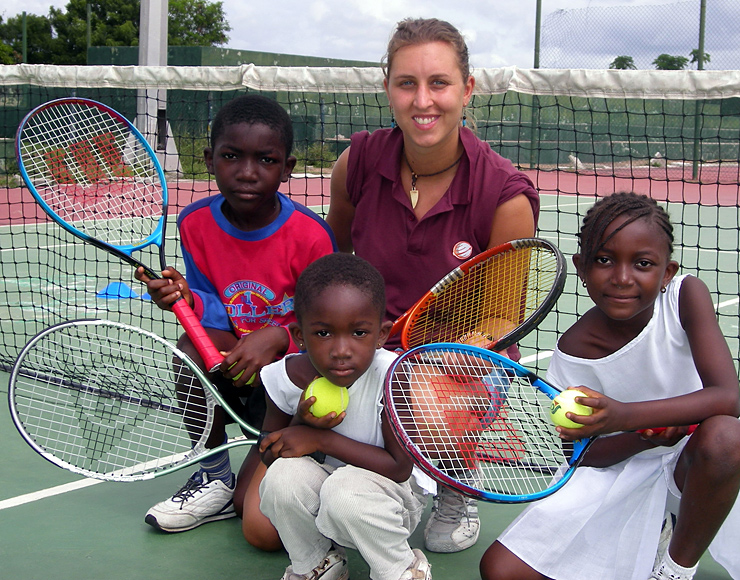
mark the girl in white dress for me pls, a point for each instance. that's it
(650, 353)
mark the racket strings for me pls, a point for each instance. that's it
(105, 404)
(478, 424)
(92, 171)
(495, 297)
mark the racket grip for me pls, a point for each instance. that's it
(692, 428)
(208, 352)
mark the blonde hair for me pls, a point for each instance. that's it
(413, 31)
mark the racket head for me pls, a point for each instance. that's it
(98, 398)
(478, 423)
(94, 174)
(496, 298)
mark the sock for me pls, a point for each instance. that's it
(218, 467)
(669, 570)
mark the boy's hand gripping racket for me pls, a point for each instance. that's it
(492, 300)
(479, 423)
(98, 398)
(96, 175)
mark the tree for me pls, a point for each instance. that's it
(623, 63)
(694, 54)
(61, 38)
(39, 41)
(7, 56)
(197, 23)
(112, 22)
(668, 62)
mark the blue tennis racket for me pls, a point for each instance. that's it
(479, 423)
(97, 177)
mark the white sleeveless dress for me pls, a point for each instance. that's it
(605, 522)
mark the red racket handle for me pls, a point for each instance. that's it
(198, 335)
(692, 428)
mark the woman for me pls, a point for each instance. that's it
(420, 198)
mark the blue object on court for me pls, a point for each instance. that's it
(117, 291)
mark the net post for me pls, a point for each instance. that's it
(151, 109)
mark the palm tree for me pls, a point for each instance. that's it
(694, 54)
(623, 63)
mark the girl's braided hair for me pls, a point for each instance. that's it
(607, 209)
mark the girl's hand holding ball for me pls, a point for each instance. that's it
(565, 403)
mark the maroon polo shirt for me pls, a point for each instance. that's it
(412, 255)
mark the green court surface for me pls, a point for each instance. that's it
(64, 280)
(97, 531)
(94, 530)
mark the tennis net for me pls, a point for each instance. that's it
(579, 134)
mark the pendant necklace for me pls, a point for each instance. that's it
(414, 193)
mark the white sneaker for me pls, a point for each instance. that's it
(332, 567)
(420, 568)
(666, 533)
(198, 502)
(454, 524)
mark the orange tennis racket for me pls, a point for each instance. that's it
(493, 300)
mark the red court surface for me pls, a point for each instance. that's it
(17, 205)
(658, 183)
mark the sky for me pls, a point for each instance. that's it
(498, 32)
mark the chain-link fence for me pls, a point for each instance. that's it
(635, 36)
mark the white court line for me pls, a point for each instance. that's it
(542, 355)
(727, 303)
(48, 492)
(87, 482)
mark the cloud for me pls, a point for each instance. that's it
(498, 33)
(592, 37)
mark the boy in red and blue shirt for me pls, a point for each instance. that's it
(243, 250)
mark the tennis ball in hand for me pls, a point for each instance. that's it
(251, 379)
(329, 397)
(565, 403)
(249, 382)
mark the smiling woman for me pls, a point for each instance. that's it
(440, 192)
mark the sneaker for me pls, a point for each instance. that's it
(198, 502)
(420, 568)
(665, 538)
(332, 567)
(454, 525)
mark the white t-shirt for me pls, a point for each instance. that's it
(363, 420)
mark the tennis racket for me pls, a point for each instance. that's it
(479, 423)
(96, 176)
(98, 398)
(492, 300)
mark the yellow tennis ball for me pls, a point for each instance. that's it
(329, 397)
(249, 382)
(565, 403)
(236, 378)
